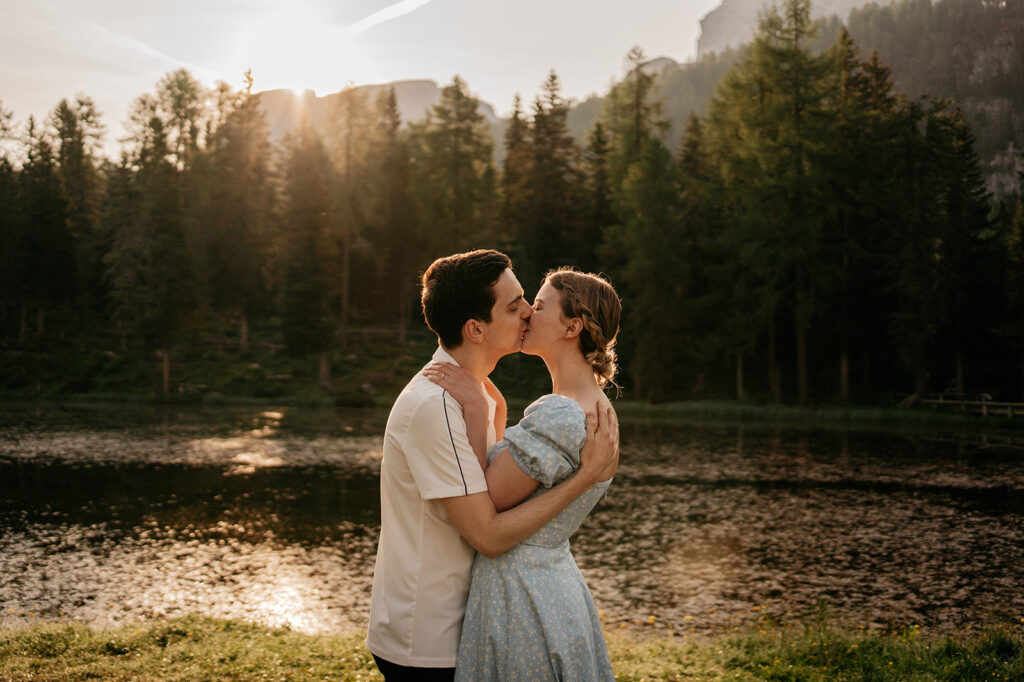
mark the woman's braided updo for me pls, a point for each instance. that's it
(593, 300)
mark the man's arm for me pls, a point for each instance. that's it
(492, 533)
(507, 484)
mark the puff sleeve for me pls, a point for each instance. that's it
(546, 443)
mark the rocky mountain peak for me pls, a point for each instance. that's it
(733, 22)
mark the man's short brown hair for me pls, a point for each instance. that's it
(460, 288)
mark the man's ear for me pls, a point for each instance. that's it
(574, 328)
(473, 331)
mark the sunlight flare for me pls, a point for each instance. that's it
(297, 49)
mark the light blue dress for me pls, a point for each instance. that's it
(530, 615)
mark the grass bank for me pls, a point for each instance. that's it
(732, 412)
(199, 648)
(371, 372)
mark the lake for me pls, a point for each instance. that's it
(118, 513)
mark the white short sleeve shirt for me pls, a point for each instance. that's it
(421, 577)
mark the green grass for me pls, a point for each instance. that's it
(190, 648)
(200, 648)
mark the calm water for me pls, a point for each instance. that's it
(110, 514)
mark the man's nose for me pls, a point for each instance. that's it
(527, 312)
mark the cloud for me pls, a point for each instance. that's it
(47, 39)
(117, 43)
(387, 14)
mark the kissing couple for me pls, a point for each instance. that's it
(474, 579)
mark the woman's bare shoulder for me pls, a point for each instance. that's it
(593, 400)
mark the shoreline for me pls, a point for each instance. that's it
(689, 411)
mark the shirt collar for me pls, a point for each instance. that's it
(441, 355)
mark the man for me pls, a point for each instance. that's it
(435, 509)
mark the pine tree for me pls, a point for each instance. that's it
(348, 143)
(308, 323)
(799, 84)
(517, 208)
(632, 114)
(917, 276)
(45, 241)
(454, 177)
(395, 233)
(859, 191)
(705, 303)
(970, 243)
(596, 213)
(6, 121)
(126, 261)
(656, 272)
(11, 262)
(940, 250)
(545, 240)
(150, 265)
(181, 104)
(78, 131)
(238, 214)
(1015, 287)
(745, 254)
(772, 129)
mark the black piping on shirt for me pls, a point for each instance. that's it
(454, 450)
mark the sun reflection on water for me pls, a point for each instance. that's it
(249, 462)
(317, 589)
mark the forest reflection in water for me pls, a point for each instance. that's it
(272, 515)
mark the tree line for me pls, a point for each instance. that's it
(963, 49)
(817, 235)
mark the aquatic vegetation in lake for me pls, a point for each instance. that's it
(705, 529)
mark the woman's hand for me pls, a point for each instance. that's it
(459, 382)
(599, 457)
(469, 393)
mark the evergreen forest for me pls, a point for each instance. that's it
(796, 229)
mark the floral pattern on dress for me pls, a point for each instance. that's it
(530, 615)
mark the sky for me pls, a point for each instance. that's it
(116, 50)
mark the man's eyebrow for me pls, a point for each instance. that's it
(516, 299)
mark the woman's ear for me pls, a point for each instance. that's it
(473, 331)
(574, 328)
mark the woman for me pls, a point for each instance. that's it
(530, 615)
